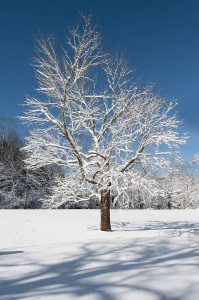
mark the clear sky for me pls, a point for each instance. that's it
(161, 39)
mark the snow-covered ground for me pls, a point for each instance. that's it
(61, 254)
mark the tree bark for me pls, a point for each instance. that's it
(105, 210)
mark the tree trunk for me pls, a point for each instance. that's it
(105, 210)
(26, 191)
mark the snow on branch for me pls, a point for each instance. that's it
(107, 128)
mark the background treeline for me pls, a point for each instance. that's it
(29, 189)
(20, 187)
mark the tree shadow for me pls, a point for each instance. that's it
(102, 269)
(10, 252)
(174, 228)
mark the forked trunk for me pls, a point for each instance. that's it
(105, 210)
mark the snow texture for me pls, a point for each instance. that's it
(61, 254)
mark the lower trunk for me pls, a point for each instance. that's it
(105, 210)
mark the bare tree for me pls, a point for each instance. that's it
(182, 184)
(10, 163)
(20, 187)
(124, 124)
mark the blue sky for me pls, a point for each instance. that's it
(161, 39)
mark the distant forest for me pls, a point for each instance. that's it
(23, 188)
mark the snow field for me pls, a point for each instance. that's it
(61, 254)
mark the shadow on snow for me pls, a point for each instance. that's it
(10, 252)
(173, 228)
(100, 269)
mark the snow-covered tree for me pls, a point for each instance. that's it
(182, 185)
(94, 119)
(10, 164)
(20, 187)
